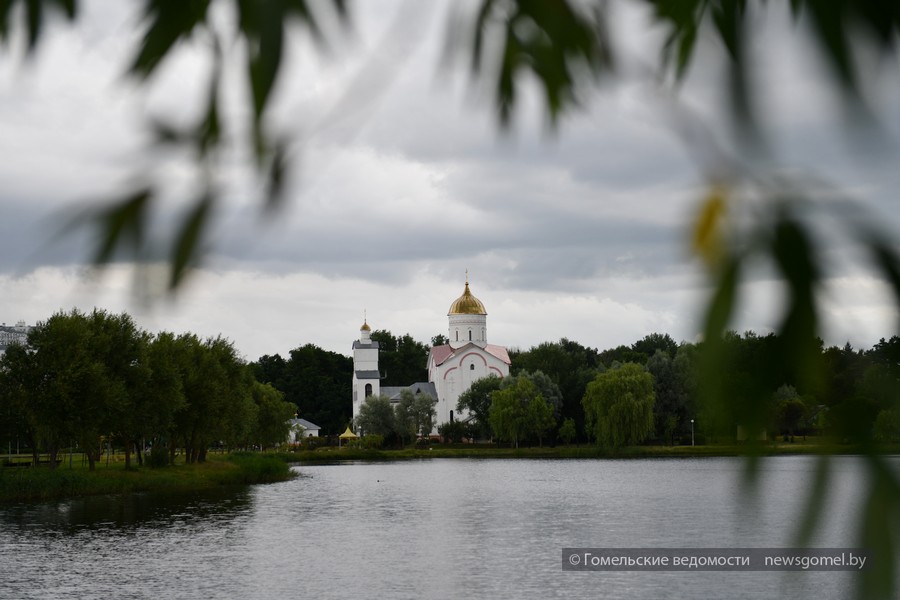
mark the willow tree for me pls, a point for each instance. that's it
(618, 406)
(507, 415)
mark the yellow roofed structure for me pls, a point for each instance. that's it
(347, 435)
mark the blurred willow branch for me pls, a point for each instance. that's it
(262, 26)
(565, 47)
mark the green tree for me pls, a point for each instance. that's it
(219, 407)
(544, 385)
(233, 387)
(163, 398)
(477, 402)
(90, 366)
(881, 383)
(507, 417)
(122, 349)
(376, 417)
(272, 370)
(273, 414)
(317, 381)
(652, 343)
(539, 415)
(401, 359)
(621, 355)
(843, 372)
(887, 353)
(78, 380)
(20, 383)
(456, 431)
(672, 386)
(790, 410)
(618, 406)
(753, 368)
(887, 426)
(415, 414)
(519, 410)
(567, 431)
(569, 365)
(71, 398)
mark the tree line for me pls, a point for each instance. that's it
(87, 377)
(852, 397)
(649, 391)
(411, 417)
(652, 387)
(318, 381)
(84, 379)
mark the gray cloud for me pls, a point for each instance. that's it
(402, 177)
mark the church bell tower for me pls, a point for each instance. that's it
(366, 378)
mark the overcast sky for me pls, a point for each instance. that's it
(402, 182)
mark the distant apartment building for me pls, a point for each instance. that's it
(13, 334)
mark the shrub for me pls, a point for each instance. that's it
(371, 442)
(455, 431)
(258, 468)
(311, 443)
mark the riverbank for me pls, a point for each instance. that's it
(332, 454)
(35, 484)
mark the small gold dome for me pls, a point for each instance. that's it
(467, 304)
(365, 326)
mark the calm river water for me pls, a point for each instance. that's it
(428, 529)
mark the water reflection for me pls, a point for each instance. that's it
(121, 512)
(425, 529)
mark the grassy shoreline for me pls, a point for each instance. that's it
(328, 455)
(41, 484)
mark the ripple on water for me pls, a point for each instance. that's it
(424, 529)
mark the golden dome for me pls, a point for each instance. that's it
(365, 326)
(467, 304)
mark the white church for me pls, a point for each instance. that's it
(451, 367)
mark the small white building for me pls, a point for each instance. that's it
(301, 428)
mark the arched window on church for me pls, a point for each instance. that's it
(472, 367)
(457, 335)
(368, 390)
(470, 335)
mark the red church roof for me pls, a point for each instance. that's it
(440, 354)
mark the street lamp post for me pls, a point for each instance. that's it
(692, 432)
